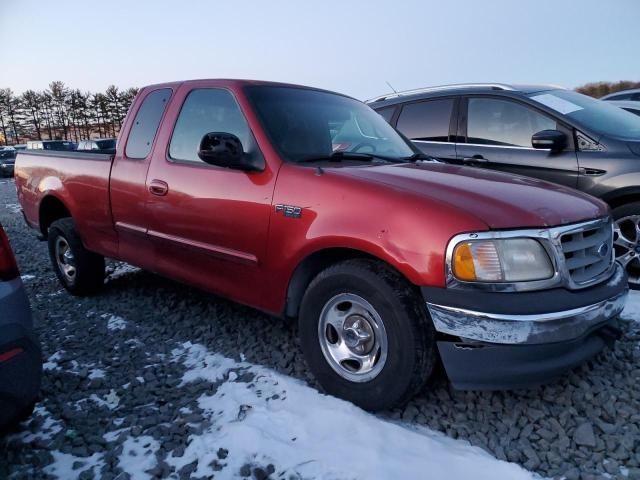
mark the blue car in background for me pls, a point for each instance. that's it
(20, 354)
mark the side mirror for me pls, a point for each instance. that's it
(553, 140)
(224, 150)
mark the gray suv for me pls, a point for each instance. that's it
(537, 131)
(20, 356)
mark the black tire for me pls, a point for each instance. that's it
(633, 268)
(411, 353)
(89, 266)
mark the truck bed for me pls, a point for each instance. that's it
(79, 180)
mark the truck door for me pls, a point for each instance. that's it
(498, 136)
(208, 224)
(127, 186)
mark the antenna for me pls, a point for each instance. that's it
(391, 87)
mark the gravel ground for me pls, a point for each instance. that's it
(110, 351)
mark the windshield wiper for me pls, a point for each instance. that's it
(339, 156)
(419, 156)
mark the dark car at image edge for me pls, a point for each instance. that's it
(20, 355)
(538, 131)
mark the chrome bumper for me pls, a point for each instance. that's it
(525, 329)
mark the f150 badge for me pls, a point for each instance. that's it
(289, 210)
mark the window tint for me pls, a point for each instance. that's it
(426, 120)
(622, 96)
(205, 111)
(633, 110)
(387, 113)
(146, 123)
(303, 123)
(500, 122)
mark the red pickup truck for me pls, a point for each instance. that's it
(306, 204)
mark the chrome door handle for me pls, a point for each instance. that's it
(158, 187)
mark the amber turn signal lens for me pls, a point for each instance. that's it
(463, 267)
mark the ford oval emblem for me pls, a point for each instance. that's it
(603, 250)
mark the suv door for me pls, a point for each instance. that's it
(497, 134)
(431, 126)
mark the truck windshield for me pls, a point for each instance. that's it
(309, 124)
(601, 117)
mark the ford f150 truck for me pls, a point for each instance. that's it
(306, 204)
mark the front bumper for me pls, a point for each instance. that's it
(507, 340)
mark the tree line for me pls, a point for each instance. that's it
(62, 113)
(600, 89)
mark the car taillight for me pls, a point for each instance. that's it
(8, 267)
(6, 356)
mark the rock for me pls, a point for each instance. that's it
(584, 435)
(245, 470)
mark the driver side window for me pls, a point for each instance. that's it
(502, 122)
(205, 111)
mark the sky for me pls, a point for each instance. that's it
(353, 47)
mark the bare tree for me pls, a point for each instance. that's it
(32, 104)
(60, 112)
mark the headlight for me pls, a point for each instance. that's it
(501, 260)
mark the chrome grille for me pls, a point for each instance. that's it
(588, 252)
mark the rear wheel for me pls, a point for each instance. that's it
(366, 335)
(626, 240)
(79, 270)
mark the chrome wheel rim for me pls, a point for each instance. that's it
(626, 243)
(65, 259)
(353, 338)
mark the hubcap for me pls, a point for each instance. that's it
(352, 337)
(65, 259)
(626, 242)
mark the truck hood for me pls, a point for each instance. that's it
(500, 200)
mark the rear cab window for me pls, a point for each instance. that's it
(427, 120)
(146, 123)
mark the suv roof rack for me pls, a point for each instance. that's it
(493, 86)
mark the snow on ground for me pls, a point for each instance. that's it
(52, 361)
(13, 207)
(96, 373)
(138, 455)
(110, 400)
(49, 428)
(62, 467)
(261, 417)
(26, 278)
(122, 269)
(632, 309)
(114, 322)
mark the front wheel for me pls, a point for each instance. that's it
(79, 270)
(366, 335)
(626, 240)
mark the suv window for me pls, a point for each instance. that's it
(426, 120)
(146, 122)
(622, 96)
(204, 111)
(501, 122)
(387, 113)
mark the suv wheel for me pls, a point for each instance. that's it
(626, 240)
(80, 271)
(366, 335)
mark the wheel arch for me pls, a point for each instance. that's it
(311, 265)
(51, 209)
(622, 196)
